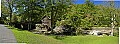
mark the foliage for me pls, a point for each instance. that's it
(14, 19)
(85, 15)
(62, 23)
(79, 31)
(116, 34)
(1, 21)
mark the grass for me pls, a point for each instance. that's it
(90, 40)
(30, 38)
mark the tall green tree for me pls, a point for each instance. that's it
(8, 4)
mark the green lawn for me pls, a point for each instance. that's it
(28, 37)
(90, 40)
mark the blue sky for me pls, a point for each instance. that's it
(97, 2)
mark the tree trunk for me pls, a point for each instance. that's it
(10, 7)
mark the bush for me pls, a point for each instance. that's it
(116, 34)
(1, 22)
(6, 22)
(79, 31)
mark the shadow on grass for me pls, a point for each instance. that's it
(59, 37)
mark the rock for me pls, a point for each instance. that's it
(58, 29)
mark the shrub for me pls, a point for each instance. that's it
(6, 22)
(1, 21)
(116, 34)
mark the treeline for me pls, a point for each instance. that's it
(61, 12)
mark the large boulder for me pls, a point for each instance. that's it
(58, 29)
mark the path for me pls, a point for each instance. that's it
(6, 35)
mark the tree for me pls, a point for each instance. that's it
(10, 6)
(14, 18)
